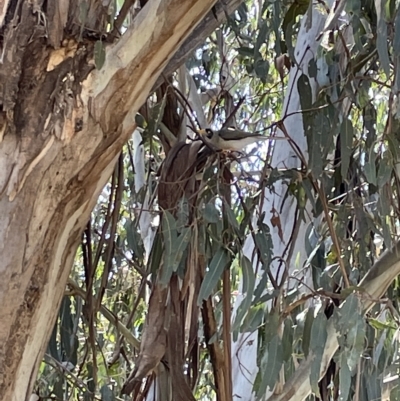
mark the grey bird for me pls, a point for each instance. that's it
(232, 139)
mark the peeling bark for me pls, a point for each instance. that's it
(62, 130)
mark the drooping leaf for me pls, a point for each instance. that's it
(306, 338)
(253, 319)
(369, 167)
(261, 68)
(210, 213)
(99, 54)
(344, 378)
(248, 284)
(275, 360)
(381, 42)
(106, 393)
(263, 243)
(304, 88)
(261, 37)
(385, 170)
(213, 274)
(317, 339)
(174, 245)
(287, 340)
(346, 145)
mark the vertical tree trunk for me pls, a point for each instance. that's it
(287, 231)
(62, 127)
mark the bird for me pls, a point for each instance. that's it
(231, 139)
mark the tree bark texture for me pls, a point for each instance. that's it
(62, 125)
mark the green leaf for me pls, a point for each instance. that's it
(369, 168)
(230, 215)
(260, 289)
(355, 342)
(156, 115)
(287, 339)
(99, 54)
(263, 242)
(344, 378)
(261, 68)
(106, 393)
(346, 145)
(156, 254)
(265, 297)
(275, 360)
(348, 312)
(174, 245)
(134, 240)
(262, 35)
(245, 51)
(215, 269)
(304, 88)
(312, 68)
(180, 246)
(69, 342)
(248, 284)
(83, 11)
(297, 8)
(396, 49)
(316, 137)
(318, 340)
(307, 330)
(370, 116)
(210, 213)
(253, 319)
(377, 324)
(381, 41)
(385, 170)
(372, 383)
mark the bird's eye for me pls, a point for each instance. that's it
(209, 133)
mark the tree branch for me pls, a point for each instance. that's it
(375, 283)
(209, 24)
(134, 62)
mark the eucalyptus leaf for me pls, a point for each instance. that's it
(174, 245)
(309, 320)
(210, 213)
(384, 170)
(275, 360)
(99, 54)
(213, 274)
(318, 340)
(370, 169)
(346, 145)
(344, 378)
(248, 284)
(106, 393)
(382, 36)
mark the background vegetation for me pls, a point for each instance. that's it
(346, 191)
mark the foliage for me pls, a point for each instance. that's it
(348, 187)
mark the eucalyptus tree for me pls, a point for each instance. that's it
(293, 233)
(71, 84)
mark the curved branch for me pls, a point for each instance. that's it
(375, 283)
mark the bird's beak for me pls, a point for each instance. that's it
(202, 132)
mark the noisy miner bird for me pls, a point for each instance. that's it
(232, 139)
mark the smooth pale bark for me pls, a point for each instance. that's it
(51, 172)
(288, 239)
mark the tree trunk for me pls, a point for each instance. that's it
(62, 126)
(287, 230)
